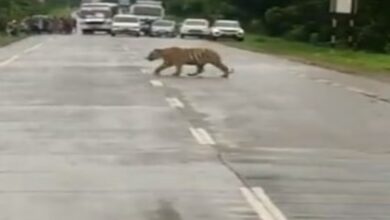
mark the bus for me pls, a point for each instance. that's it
(148, 10)
(97, 16)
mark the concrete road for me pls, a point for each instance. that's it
(87, 132)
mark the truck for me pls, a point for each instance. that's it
(97, 16)
(147, 11)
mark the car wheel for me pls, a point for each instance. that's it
(113, 34)
(240, 39)
(215, 38)
(182, 36)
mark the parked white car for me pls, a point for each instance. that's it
(163, 28)
(227, 29)
(195, 27)
(126, 24)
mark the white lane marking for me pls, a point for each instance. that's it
(264, 198)
(156, 83)
(28, 50)
(257, 206)
(144, 71)
(10, 60)
(262, 204)
(363, 92)
(285, 150)
(325, 81)
(202, 136)
(34, 105)
(354, 89)
(175, 103)
(335, 84)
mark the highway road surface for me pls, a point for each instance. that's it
(88, 133)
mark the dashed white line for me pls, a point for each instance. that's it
(175, 103)
(257, 206)
(275, 211)
(28, 50)
(325, 81)
(156, 83)
(354, 89)
(144, 71)
(335, 84)
(10, 60)
(202, 136)
(262, 204)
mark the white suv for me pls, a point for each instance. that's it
(195, 27)
(227, 29)
(126, 24)
(163, 28)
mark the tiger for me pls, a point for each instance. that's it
(178, 57)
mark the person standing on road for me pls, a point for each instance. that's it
(12, 28)
(74, 25)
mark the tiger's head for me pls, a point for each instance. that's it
(154, 55)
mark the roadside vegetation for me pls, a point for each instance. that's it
(19, 9)
(301, 30)
(358, 62)
(298, 20)
(5, 40)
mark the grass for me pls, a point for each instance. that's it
(61, 11)
(367, 64)
(6, 40)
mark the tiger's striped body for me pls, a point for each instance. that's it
(179, 57)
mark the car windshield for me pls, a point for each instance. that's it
(95, 13)
(233, 24)
(125, 20)
(196, 23)
(163, 23)
(147, 11)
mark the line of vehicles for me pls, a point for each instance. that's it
(147, 18)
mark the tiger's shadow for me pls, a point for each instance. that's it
(187, 77)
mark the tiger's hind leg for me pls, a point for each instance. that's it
(226, 71)
(178, 70)
(200, 70)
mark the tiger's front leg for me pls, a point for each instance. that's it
(178, 70)
(162, 67)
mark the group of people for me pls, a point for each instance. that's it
(42, 24)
